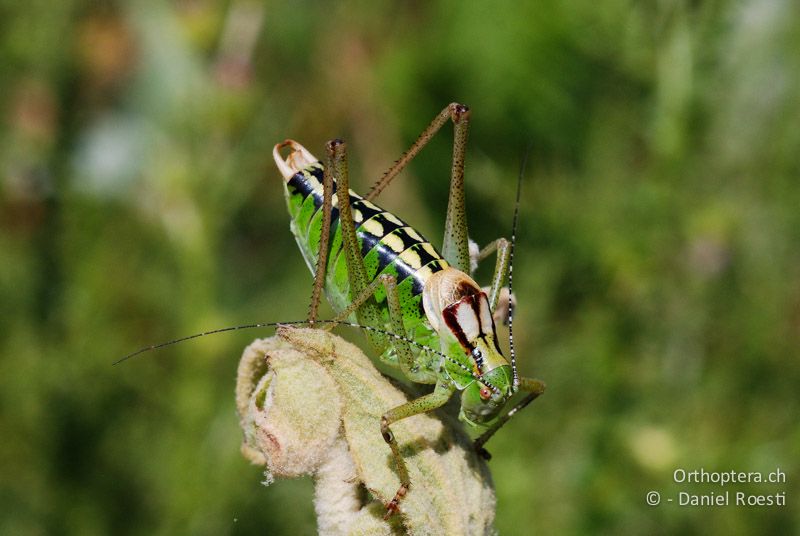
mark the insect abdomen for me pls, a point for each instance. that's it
(388, 245)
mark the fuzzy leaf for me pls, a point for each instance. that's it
(310, 403)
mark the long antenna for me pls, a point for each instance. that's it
(190, 337)
(421, 346)
(522, 166)
(277, 324)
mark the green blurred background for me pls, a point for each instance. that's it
(658, 266)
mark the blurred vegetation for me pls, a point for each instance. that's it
(658, 260)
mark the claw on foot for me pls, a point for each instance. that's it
(393, 506)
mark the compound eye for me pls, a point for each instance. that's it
(485, 393)
(476, 353)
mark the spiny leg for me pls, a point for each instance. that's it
(534, 388)
(367, 312)
(324, 242)
(438, 398)
(455, 247)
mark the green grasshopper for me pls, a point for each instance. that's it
(381, 274)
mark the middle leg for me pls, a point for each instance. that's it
(405, 355)
(503, 249)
